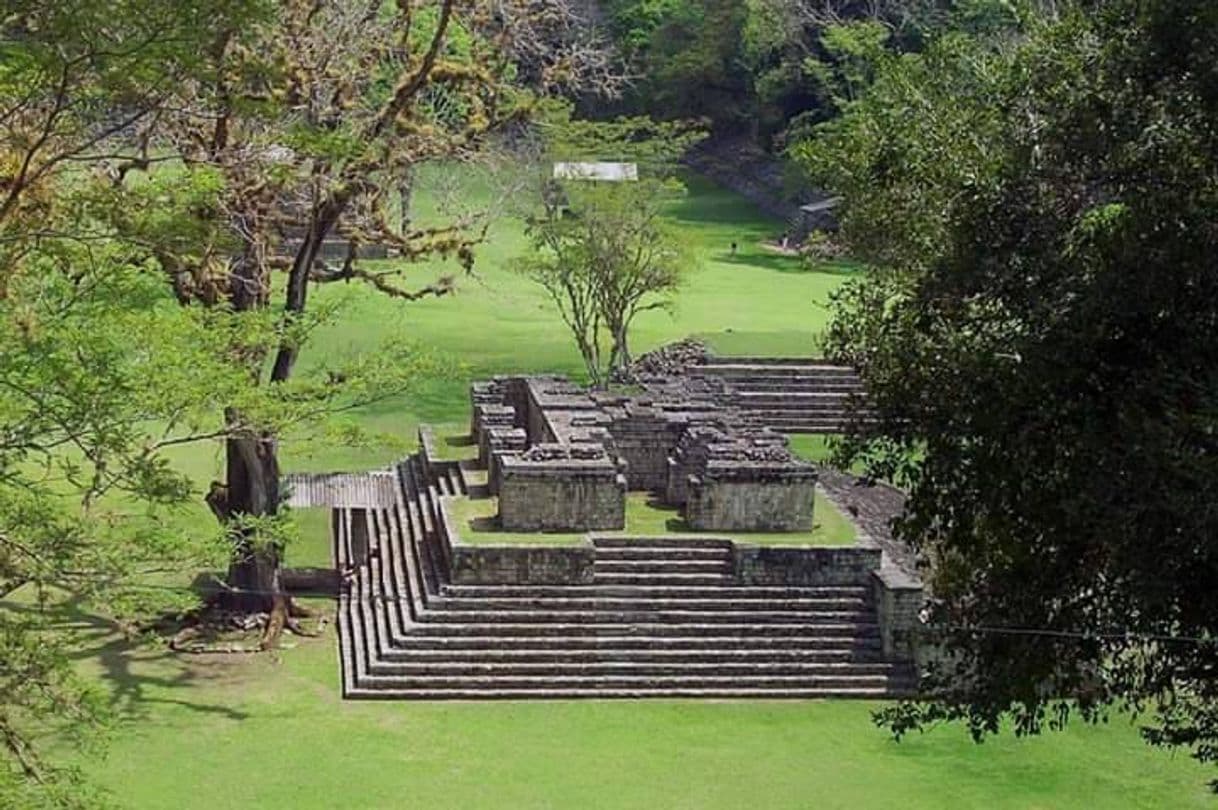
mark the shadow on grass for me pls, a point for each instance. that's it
(132, 669)
(767, 261)
(484, 524)
(708, 202)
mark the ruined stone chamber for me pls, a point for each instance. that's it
(552, 487)
(740, 480)
(561, 458)
(751, 497)
(704, 614)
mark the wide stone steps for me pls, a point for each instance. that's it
(403, 648)
(663, 618)
(762, 385)
(655, 591)
(651, 578)
(642, 617)
(694, 627)
(377, 691)
(615, 655)
(776, 370)
(806, 403)
(626, 682)
(636, 669)
(791, 395)
(828, 429)
(668, 566)
(657, 603)
(655, 554)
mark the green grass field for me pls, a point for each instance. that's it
(477, 525)
(272, 732)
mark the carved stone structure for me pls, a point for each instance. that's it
(425, 615)
(561, 458)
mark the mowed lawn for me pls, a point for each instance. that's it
(272, 732)
(234, 732)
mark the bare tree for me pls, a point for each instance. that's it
(608, 258)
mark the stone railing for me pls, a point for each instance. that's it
(512, 565)
(899, 599)
(433, 465)
(806, 565)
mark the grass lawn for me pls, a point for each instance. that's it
(453, 442)
(498, 322)
(477, 524)
(271, 731)
(259, 732)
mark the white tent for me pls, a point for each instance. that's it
(611, 172)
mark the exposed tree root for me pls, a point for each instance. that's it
(210, 630)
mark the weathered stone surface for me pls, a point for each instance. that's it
(768, 501)
(512, 565)
(670, 360)
(499, 443)
(522, 565)
(660, 441)
(561, 494)
(793, 565)
(899, 599)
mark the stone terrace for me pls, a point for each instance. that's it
(423, 616)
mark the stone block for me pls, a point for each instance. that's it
(560, 493)
(805, 565)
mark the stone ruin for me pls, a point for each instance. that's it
(562, 458)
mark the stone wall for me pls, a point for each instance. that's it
(899, 599)
(753, 499)
(511, 565)
(522, 565)
(806, 565)
(560, 493)
(732, 475)
(433, 465)
(500, 443)
(643, 438)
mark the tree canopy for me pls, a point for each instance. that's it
(1039, 339)
(158, 164)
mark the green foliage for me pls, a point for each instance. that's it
(853, 51)
(655, 146)
(604, 258)
(635, 22)
(1040, 346)
(603, 251)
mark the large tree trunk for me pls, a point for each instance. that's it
(252, 460)
(297, 291)
(620, 358)
(252, 490)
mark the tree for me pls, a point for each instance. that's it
(151, 154)
(603, 261)
(1039, 345)
(100, 373)
(305, 124)
(606, 253)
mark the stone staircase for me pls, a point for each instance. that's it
(661, 618)
(792, 395)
